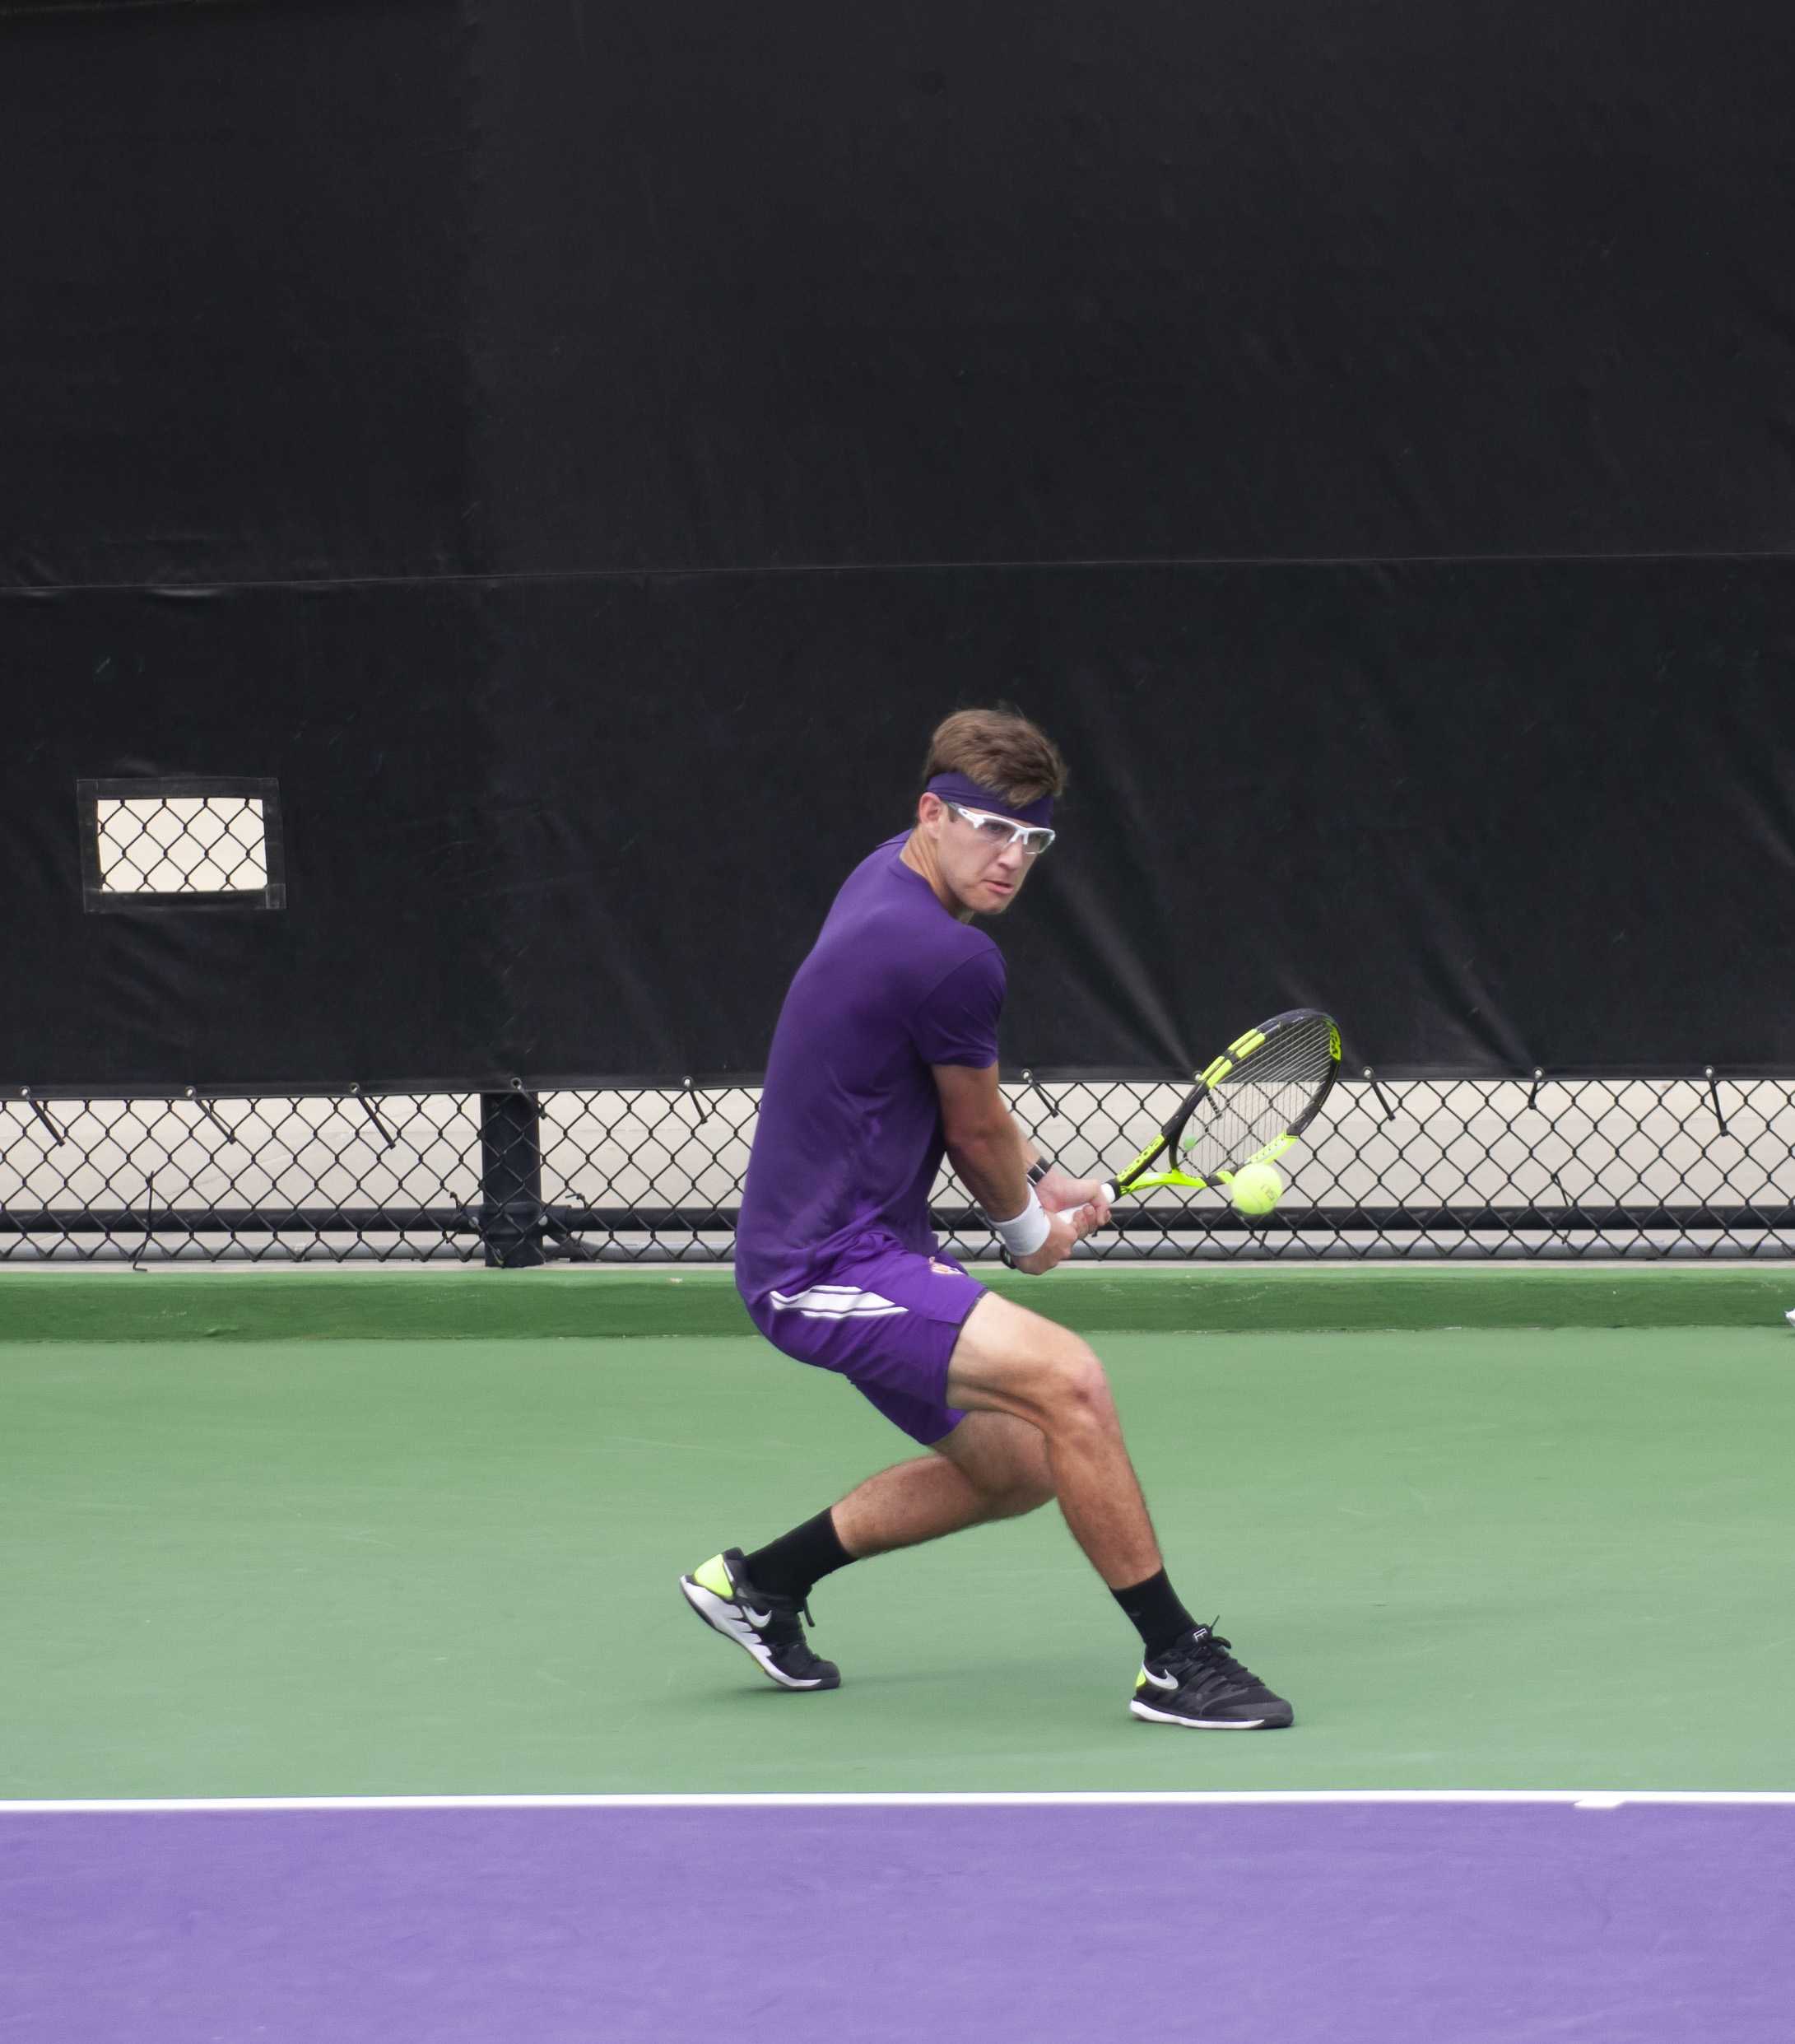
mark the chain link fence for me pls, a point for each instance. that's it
(1529, 1167)
(188, 844)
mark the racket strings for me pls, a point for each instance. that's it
(1265, 1097)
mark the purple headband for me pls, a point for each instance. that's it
(957, 788)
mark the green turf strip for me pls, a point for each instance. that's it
(1472, 1559)
(433, 1304)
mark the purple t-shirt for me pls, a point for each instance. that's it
(850, 1137)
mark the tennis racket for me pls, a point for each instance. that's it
(1248, 1107)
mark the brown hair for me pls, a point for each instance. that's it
(1001, 750)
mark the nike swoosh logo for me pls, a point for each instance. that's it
(756, 1618)
(1159, 1681)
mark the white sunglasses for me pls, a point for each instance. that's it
(998, 831)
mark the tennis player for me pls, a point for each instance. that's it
(885, 1057)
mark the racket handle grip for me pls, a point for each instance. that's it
(1110, 1194)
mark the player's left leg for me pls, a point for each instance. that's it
(889, 1321)
(991, 1466)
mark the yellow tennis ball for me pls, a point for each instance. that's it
(1256, 1188)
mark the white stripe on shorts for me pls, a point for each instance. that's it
(835, 1303)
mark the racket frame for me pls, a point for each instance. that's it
(1135, 1178)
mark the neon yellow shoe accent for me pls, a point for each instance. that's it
(1140, 1682)
(714, 1577)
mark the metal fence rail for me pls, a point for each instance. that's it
(1408, 1168)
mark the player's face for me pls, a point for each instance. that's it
(981, 860)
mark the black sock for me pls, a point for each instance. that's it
(790, 1565)
(1158, 1616)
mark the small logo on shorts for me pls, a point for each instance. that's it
(943, 1270)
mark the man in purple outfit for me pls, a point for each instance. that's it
(885, 1058)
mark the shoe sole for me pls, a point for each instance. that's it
(1150, 1715)
(720, 1617)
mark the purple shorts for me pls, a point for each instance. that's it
(886, 1319)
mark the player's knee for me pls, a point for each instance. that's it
(1018, 1481)
(1028, 1485)
(1029, 1495)
(1074, 1388)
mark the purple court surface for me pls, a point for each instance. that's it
(1355, 1923)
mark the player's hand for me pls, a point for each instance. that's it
(1063, 1229)
(1059, 1194)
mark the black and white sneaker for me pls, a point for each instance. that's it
(1200, 1684)
(764, 1626)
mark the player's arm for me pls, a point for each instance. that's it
(991, 1156)
(985, 1143)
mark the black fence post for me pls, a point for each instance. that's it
(511, 1178)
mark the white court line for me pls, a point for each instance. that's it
(1575, 1798)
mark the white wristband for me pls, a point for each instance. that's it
(1025, 1232)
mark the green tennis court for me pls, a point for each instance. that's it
(342, 1533)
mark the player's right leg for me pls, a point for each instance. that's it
(1010, 1360)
